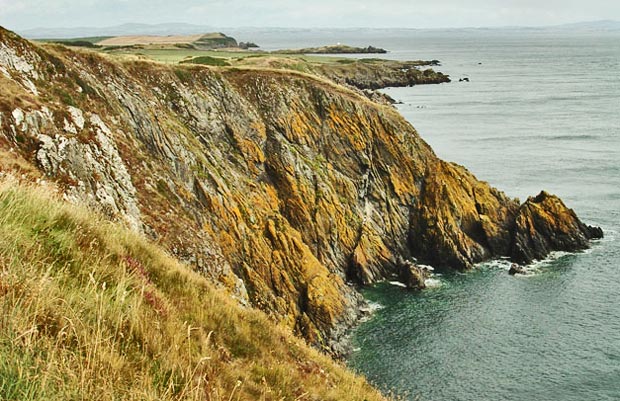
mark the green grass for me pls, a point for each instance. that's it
(77, 43)
(207, 60)
(216, 40)
(89, 310)
(176, 55)
(91, 39)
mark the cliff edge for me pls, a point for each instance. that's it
(282, 187)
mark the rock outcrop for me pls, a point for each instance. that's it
(360, 75)
(379, 74)
(413, 276)
(544, 224)
(279, 186)
(516, 269)
(334, 49)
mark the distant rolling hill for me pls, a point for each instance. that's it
(605, 25)
(191, 29)
(199, 41)
(124, 29)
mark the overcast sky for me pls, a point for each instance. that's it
(25, 14)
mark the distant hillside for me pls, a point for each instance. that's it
(190, 29)
(119, 30)
(335, 49)
(200, 41)
(605, 25)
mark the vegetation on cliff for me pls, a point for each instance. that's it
(207, 60)
(90, 310)
(368, 74)
(280, 186)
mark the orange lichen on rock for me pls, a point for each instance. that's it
(349, 127)
(544, 224)
(462, 221)
(278, 185)
(371, 259)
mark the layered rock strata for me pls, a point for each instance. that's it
(283, 188)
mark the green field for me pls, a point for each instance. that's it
(91, 39)
(174, 56)
(364, 73)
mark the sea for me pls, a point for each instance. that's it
(541, 110)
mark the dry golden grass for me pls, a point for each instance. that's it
(91, 311)
(14, 95)
(149, 40)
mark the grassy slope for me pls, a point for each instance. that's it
(91, 311)
(175, 55)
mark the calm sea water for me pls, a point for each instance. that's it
(541, 112)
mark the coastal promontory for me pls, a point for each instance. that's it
(285, 188)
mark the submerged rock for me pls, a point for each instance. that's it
(516, 269)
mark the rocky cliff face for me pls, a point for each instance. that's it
(279, 186)
(545, 224)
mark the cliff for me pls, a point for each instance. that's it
(373, 74)
(91, 311)
(281, 187)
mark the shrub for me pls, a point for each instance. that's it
(207, 60)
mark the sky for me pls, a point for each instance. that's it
(26, 14)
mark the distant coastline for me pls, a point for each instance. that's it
(189, 29)
(335, 49)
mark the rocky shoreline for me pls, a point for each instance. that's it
(366, 76)
(334, 49)
(279, 186)
(542, 226)
(380, 74)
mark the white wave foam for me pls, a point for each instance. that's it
(374, 306)
(553, 256)
(610, 236)
(533, 268)
(370, 308)
(433, 282)
(502, 264)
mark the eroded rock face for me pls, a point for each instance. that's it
(280, 187)
(459, 221)
(544, 224)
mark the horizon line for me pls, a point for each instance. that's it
(580, 22)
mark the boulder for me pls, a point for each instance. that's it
(413, 276)
(516, 269)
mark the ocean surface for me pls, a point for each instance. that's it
(541, 111)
